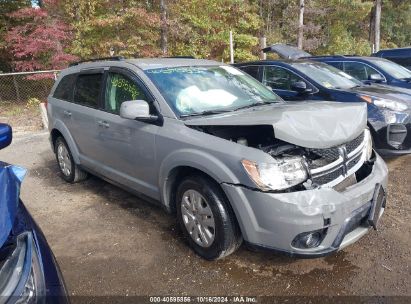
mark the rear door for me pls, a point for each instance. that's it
(83, 112)
(126, 148)
(58, 107)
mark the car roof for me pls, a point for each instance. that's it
(274, 61)
(396, 50)
(344, 57)
(156, 63)
(143, 63)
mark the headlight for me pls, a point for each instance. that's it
(21, 276)
(367, 144)
(385, 103)
(278, 175)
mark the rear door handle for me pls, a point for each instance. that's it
(103, 123)
(67, 113)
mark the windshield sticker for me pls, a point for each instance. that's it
(231, 70)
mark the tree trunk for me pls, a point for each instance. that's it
(377, 24)
(163, 13)
(300, 25)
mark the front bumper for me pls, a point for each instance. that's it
(393, 139)
(273, 220)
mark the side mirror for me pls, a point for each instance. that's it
(376, 78)
(300, 87)
(6, 135)
(137, 110)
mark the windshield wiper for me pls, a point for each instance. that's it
(205, 113)
(252, 105)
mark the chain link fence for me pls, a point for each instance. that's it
(21, 87)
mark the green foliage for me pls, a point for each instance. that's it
(201, 28)
(33, 102)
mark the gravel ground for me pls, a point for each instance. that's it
(109, 242)
(23, 117)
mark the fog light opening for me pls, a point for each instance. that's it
(308, 240)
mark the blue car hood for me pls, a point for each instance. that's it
(10, 181)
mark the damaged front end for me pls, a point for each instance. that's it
(297, 168)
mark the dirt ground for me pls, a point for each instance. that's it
(109, 242)
(23, 117)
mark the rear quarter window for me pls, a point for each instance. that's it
(65, 88)
(88, 88)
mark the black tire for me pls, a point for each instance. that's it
(76, 174)
(227, 235)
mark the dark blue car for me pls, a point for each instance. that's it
(28, 270)
(370, 69)
(389, 110)
(401, 56)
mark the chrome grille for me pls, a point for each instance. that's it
(336, 164)
(333, 153)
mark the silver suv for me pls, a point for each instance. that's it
(222, 152)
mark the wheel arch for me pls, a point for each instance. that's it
(60, 130)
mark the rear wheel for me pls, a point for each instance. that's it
(206, 219)
(68, 168)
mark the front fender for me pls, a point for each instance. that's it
(61, 127)
(196, 159)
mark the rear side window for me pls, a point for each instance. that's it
(64, 90)
(251, 70)
(336, 64)
(88, 87)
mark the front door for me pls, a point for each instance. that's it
(127, 147)
(281, 80)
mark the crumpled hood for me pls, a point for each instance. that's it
(10, 181)
(309, 124)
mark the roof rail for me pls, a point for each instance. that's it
(115, 58)
(181, 57)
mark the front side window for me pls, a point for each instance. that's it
(120, 88)
(392, 68)
(326, 75)
(359, 70)
(280, 79)
(194, 90)
(64, 90)
(88, 87)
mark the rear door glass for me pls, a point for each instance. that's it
(280, 79)
(65, 88)
(88, 88)
(251, 70)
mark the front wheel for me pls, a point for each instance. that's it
(206, 218)
(69, 169)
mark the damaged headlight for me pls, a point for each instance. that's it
(281, 174)
(21, 276)
(367, 144)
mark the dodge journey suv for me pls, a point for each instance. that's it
(222, 152)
